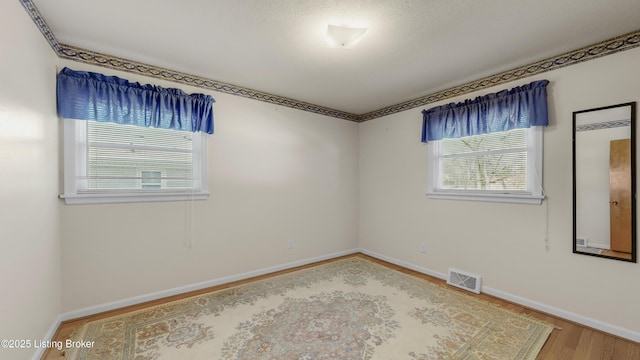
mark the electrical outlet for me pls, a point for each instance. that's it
(423, 248)
(290, 244)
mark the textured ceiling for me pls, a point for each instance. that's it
(411, 48)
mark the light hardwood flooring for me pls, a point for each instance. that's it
(568, 341)
(618, 254)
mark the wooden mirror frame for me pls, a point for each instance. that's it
(609, 254)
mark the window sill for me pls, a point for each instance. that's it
(112, 198)
(525, 198)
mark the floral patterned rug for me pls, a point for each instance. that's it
(347, 309)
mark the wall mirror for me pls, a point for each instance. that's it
(604, 183)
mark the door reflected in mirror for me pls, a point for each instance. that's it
(604, 203)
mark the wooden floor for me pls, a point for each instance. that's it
(618, 254)
(568, 341)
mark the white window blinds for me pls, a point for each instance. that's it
(129, 157)
(495, 161)
(123, 161)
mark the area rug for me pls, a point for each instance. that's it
(346, 309)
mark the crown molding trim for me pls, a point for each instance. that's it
(604, 48)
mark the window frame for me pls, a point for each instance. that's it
(74, 154)
(533, 195)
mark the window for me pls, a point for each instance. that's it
(500, 166)
(488, 148)
(126, 142)
(151, 179)
(108, 162)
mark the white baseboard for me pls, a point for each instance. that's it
(405, 264)
(599, 246)
(583, 320)
(92, 310)
(567, 315)
(48, 337)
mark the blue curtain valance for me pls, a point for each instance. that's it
(520, 107)
(91, 96)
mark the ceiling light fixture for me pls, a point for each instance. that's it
(345, 36)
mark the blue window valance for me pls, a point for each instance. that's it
(520, 107)
(91, 96)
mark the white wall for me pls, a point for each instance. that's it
(278, 174)
(29, 221)
(275, 174)
(505, 243)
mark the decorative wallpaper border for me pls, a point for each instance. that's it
(116, 63)
(108, 61)
(41, 24)
(603, 125)
(608, 47)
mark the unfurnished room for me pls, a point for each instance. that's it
(342, 179)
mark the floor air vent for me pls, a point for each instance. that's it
(464, 280)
